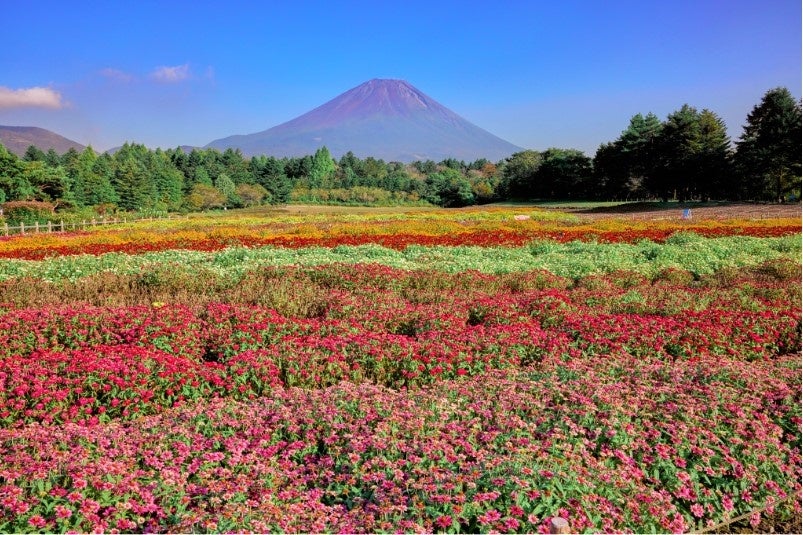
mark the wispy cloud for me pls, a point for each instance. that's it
(31, 97)
(171, 74)
(116, 74)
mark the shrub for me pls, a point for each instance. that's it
(27, 212)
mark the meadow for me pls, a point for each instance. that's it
(416, 370)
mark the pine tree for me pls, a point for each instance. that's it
(768, 151)
(714, 159)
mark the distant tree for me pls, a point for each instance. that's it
(226, 186)
(134, 187)
(714, 165)
(425, 167)
(563, 173)
(97, 186)
(374, 171)
(34, 154)
(768, 151)
(204, 197)
(519, 175)
(13, 180)
(168, 181)
(678, 148)
(322, 170)
(52, 158)
(269, 173)
(236, 166)
(448, 188)
(49, 183)
(201, 176)
(251, 194)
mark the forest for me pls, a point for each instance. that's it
(686, 157)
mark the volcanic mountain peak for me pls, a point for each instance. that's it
(377, 97)
(388, 119)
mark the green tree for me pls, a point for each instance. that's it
(322, 170)
(13, 180)
(768, 151)
(97, 185)
(49, 183)
(448, 188)
(204, 197)
(168, 181)
(251, 194)
(678, 149)
(563, 173)
(519, 175)
(714, 167)
(227, 187)
(34, 154)
(132, 184)
(269, 173)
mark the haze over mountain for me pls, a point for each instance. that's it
(17, 139)
(388, 119)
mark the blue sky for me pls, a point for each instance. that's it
(536, 73)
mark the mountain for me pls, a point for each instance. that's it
(17, 139)
(388, 119)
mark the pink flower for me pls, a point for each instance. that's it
(697, 510)
(443, 522)
(490, 517)
(727, 503)
(62, 512)
(37, 522)
(755, 519)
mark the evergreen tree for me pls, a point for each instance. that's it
(269, 173)
(678, 149)
(768, 151)
(132, 184)
(168, 181)
(34, 154)
(13, 180)
(97, 185)
(714, 159)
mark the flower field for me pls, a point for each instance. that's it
(393, 373)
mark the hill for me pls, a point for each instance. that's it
(17, 139)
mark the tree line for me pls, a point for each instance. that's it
(687, 156)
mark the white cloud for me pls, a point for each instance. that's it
(116, 74)
(171, 74)
(32, 97)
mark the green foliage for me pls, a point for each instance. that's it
(227, 188)
(251, 194)
(322, 170)
(448, 188)
(519, 175)
(204, 197)
(768, 151)
(27, 212)
(270, 174)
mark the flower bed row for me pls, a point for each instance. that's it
(398, 329)
(615, 444)
(391, 234)
(689, 252)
